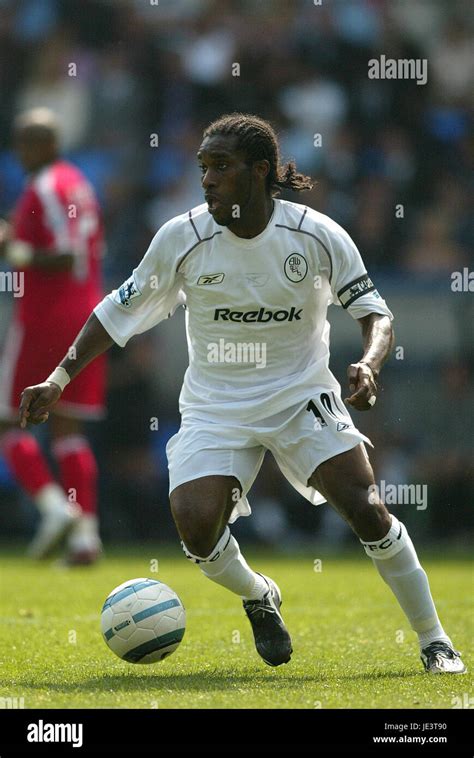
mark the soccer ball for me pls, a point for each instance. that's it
(143, 621)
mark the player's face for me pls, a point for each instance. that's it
(33, 153)
(227, 179)
(26, 153)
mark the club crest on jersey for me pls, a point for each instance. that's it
(296, 267)
(127, 292)
(211, 279)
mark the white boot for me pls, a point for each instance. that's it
(58, 517)
(84, 543)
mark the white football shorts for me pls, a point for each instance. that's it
(300, 438)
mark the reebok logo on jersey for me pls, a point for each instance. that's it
(260, 316)
(211, 279)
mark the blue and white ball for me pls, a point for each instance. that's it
(143, 621)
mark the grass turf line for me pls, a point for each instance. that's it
(353, 647)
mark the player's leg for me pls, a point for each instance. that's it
(78, 470)
(28, 465)
(24, 362)
(201, 509)
(347, 480)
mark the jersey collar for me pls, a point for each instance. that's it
(232, 238)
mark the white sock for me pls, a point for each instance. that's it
(227, 566)
(396, 560)
(85, 533)
(51, 498)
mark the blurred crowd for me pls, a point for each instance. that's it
(134, 83)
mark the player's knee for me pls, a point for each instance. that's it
(198, 530)
(199, 545)
(369, 520)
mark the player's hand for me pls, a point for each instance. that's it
(37, 401)
(363, 386)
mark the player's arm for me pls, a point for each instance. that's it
(22, 255)
(38, 400)
(353, 289)
(45, 261)
(378, 337)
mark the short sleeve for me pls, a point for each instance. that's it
(351, 286)
(149, 295)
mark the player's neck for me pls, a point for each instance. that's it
(49, 162)
(256, 221)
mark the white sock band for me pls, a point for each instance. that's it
(394, 541)
(226, 566)
(214, 554)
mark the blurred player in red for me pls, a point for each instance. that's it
(55, 244)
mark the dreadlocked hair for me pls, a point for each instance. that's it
(258, 140)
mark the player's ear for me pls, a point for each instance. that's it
(261, 168)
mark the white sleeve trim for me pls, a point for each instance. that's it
(102, 312)
(370, 303)
(55, 214)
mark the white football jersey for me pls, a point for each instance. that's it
(258, 338)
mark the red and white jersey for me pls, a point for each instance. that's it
(58, 212)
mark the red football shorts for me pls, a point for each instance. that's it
(31, 353)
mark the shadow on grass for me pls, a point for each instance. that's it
(209, 681)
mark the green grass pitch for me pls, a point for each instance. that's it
(352, 646)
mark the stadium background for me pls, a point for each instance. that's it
(142, 69)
